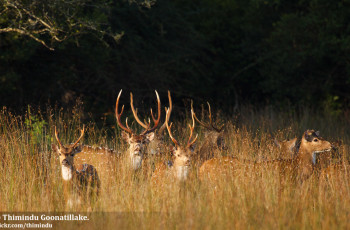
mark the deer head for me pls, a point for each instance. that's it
(137, 142)
(213, 142)
(312, 143)
(182, 153)
(287, 148)
(214, 134)
(66, 155)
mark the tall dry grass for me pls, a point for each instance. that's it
(30, 177)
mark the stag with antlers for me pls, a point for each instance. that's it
(137, 142)
(214, 141)
(179, 168)
(79, 184)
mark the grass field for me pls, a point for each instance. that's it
(30, 177)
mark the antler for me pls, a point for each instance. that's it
(81, 136)
(156, 121)
(60, 143)
(162, 128)
(118, 115)
(146, 126)
(135, 113)
(209, 125)
(169, 127)
(189, 143)
(58, 140)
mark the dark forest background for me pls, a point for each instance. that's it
(280, 53)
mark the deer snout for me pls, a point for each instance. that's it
(330, 146)
(65, 162)
(137, 153)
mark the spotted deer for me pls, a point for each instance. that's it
(105, 159)
(137, 142)
(214, 142)
(287, 148)
(298, 168)
(178, 169)
(80, 184)
(102, 158)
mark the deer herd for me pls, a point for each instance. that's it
(84, 168)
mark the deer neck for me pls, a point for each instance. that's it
(305, 156)
(68, 172)
(211, 138)
(68, 176)
(304, 163)
(181, 171)
(154, 147)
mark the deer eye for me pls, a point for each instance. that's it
(315, 140)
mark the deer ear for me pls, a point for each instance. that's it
(317, 133)
(277, 143)
(292, 143)
(307, 136)
(150, 136)
(54, 148)
(172, 149)
(125, 136)
(192, 147)
(78, 149)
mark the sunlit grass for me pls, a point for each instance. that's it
(31, 179)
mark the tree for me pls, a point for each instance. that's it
(53, 21)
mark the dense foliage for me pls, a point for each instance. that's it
(229, 52)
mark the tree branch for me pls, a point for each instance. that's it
(23, 32)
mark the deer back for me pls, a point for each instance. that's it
(103, 159)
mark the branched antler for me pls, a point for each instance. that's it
(75, 143)
(163, 127)
(118, 115)
(210, 125)
(189, 143)
(144, 125)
